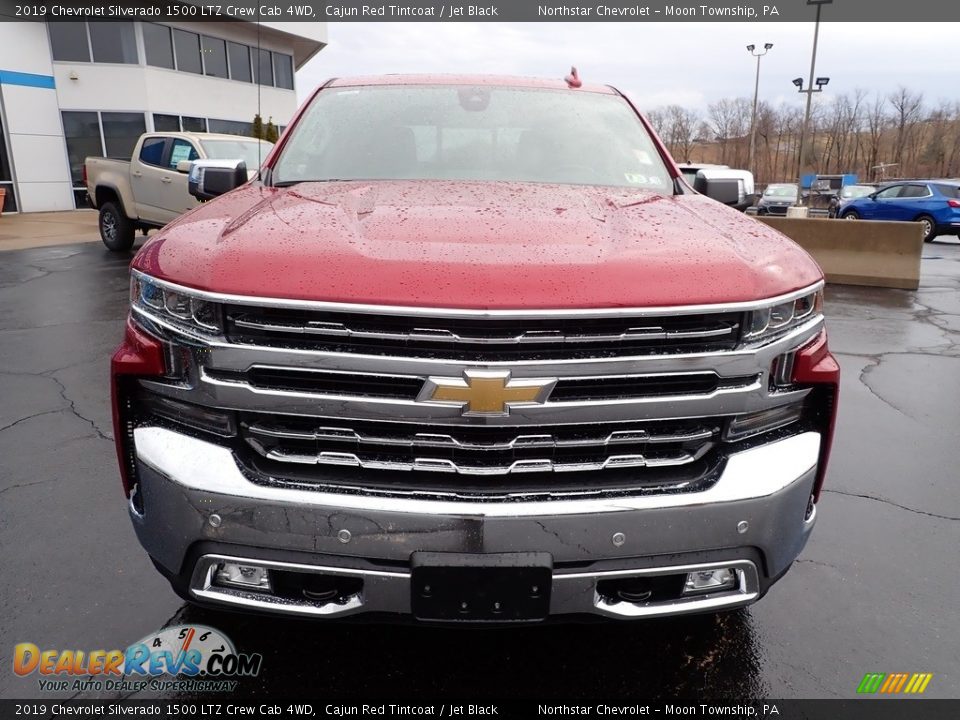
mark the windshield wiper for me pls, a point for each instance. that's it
(291, 183)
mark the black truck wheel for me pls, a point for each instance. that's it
(116, 229)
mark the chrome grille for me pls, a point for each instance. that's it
(408, 387)
(477, 451)
(333, 396)
(483, 339)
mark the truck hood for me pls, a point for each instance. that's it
(476, 245)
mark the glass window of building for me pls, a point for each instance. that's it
(69, 41)
(121, 132)
(6, 176)
(214, 56)
(158, 45)
(82, 133)
(151, 152)
(239, 61)
(194, 124)
(283, 70)
(113, 42)
(166, 123)
(263, 68)
(231, 127)
(187, 46)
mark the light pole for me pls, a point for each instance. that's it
(756, 90)
(820, 82)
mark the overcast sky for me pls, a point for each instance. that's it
(692, 64)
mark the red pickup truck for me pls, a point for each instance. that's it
(470, 349)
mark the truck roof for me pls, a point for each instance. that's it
(491, 80)
(199, 135)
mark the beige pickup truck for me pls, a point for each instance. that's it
(150, 189)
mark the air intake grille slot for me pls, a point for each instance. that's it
(482, 339)
(414, 449)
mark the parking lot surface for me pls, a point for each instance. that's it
(875, 590)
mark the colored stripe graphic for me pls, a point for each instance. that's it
(922, 680)
(889, 682)
(870, 683)
(894, 683)
(10, 77)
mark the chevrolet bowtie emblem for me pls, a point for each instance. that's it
(486, 392)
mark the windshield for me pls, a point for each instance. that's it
(780, 191)
(251, 151)
(435, 132)
(855, 191)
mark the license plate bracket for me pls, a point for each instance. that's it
(487, 587)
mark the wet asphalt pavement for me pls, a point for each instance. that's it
(876, 589)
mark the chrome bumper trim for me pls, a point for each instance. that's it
(203, 588)
(203, 466)
(747, 590)
(389, 591)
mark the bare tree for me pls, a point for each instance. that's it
(730, 121)
(907, 108)
(683, 129)
(849, 133)
(877, 122)
(658, 119)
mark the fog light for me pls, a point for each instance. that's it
(744, 426)
(218, 422)
(704, 581)
(246, 577)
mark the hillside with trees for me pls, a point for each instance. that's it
(875, 136)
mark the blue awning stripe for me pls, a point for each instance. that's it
(10, 77)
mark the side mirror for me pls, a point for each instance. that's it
(211, 178)
(184, 166)
(725, 191)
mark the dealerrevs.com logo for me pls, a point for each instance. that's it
(178, 658)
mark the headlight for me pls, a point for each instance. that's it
(175, 307)
(771, 322)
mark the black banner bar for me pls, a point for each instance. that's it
(481, 10)
(230, 706)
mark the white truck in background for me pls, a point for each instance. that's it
(150, 190)
(699, 174)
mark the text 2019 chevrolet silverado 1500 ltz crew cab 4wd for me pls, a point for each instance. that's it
(470, 349)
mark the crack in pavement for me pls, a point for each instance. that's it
(73, 409)
(892, 504)
(874, 361)
(31, 417)
(24, 485)
(818, 562)
(62, 390)
(862, 377)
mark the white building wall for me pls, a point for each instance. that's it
(31, 115)
(143, 88)
(32, 121)
(131, 88)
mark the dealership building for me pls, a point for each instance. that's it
(73, 89)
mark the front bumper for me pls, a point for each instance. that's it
(198, 509)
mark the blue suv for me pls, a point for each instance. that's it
(935, 204)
